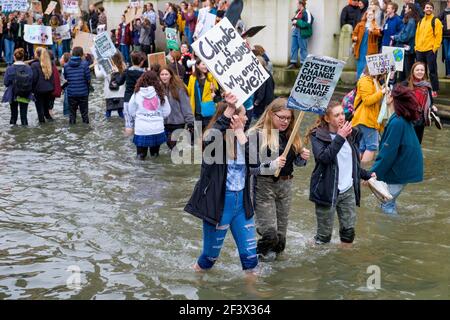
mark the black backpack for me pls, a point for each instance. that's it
(113, 83)
(23, 82)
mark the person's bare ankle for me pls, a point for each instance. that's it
(197, 268)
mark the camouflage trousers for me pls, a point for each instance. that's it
(272, 206)
(346, 212)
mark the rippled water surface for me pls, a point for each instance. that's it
(77, 197)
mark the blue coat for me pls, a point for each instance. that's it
(8, 81)
(407, 35)
(391, 27)
(78, 77)
(400, 158)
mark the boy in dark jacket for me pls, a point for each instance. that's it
(78, 77)
(335, 181)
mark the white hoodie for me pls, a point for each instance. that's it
(145, 113)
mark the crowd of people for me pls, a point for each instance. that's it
(247, 197)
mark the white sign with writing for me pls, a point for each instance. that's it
(37, 34)
(315, 84)
(64, 32)
(230, 61)
(51, 6)
(380, 63)
(205, 22)
(105, 46)
(70, 6)
(398, 54)
(14, 5)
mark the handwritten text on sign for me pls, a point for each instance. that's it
(230, 61)
(380, 63)
(315, 84)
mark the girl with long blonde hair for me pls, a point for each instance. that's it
(43, 83)
(273, 195)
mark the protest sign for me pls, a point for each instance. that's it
(51, 6)
(230, 61)
(84, 40)
(70, 6)
(14, 5)
(63, 32)
(205, 22)
(380, 63)
(104, 45)
(134, 4)
(36, 7)
(157, 58)
(101, 28)
(37, 34)
(130, 15)
(105, 65)
(398, 54)
(172, 39)
(139, 12)
(315, 84)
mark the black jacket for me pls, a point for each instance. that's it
(93, 21)
(130, 78)
(350, 15)
(40, 84)
(264, 96)
(324, 179)
(208, 198)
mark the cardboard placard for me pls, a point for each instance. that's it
(70, 6)
(63, 32)
(380, 63)
(172, 39)
(230, 61)
(130, 15)
(157, 58)
(36, 7)
(37, 34)
(398, 54)
(14, 5)
(104, 45)
(51, 6)
(84, 40)
(134, 4)
(315, 84)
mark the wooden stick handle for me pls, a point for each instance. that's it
(291, 138)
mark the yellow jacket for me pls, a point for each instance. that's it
(180, 22)
(426, 40)
(367, 112)
(206, 91)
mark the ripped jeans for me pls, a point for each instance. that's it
(243, 231)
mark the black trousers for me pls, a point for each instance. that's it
(15, 112)
(419, 129)
(74, 104)
(430, 59)
(170, 128)
(43, 105)
(142, 152)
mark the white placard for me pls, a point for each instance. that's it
(230, 61)
(134, 4)
(70, 6)
(64, 32)
(104, 45)
(101, 28)
(51, 6)
(14, 5)
(380, 63)
(37, 34)
(205, 22)
(315, 84)
(398, 54)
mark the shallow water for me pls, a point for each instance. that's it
(77, 197)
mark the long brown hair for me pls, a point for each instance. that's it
(411, 75)
(150, 79)
(321, 122)
(117, 59)
(175, 83)
(265, 126)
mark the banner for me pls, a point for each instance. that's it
(380, 63)
(230, 61)
(70, 6)
(172, 39)
(37, 7)
(14, 5)
(84, 40)
(63, 32)
(205, 22)
(315, 84)
(157, 58)
(398, 54)
(104, 45)
(37, 34)
(51, 6)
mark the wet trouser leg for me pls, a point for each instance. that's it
(141, 152)
(243, 231)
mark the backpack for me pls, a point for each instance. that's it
(23, 82)
(56, 83)
(348, 103)
(113, 83)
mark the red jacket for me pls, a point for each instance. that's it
(127, 34)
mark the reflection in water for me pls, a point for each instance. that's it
(77, 197)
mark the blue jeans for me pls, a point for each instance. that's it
(369, 139)
(243, 230)
(57, 50)
(298, 43)
(188, 34)
(390, 207)
(9, 50)
(125, 50)
(446, 54)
